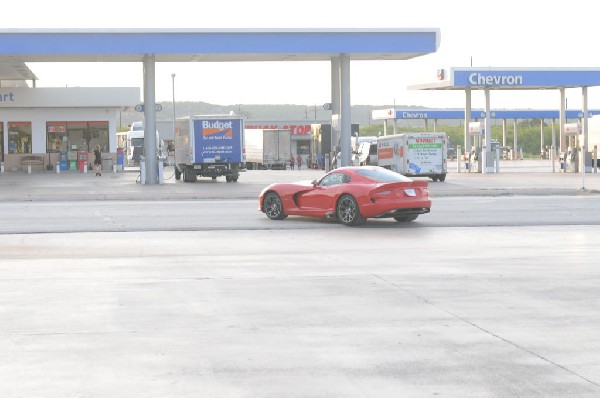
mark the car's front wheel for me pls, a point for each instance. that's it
(273, 206)
(348, 211)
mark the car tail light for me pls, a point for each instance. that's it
(383, 194)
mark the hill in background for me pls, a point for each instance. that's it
(361, 114)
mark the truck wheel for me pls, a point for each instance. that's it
(442, 177)
(188, 176)
(406, 218)
(177, 174)
(348, 212)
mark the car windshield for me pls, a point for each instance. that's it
(382, 175)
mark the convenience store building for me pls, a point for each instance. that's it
(48, 121)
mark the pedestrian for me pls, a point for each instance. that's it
(98, 161)
(292, 161)
(320, 161)
(299, 161)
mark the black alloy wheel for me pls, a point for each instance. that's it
(273, 206)
(348, 211)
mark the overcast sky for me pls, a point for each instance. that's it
(507, 33)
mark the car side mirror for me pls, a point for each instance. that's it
(314, 183)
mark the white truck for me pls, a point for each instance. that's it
(135, 146)
(209, 146)
(268, 148)
(593, 141)
(415, 154)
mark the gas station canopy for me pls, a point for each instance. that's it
(205, 45)
(488, 79)
(149, 46)
(513, 79)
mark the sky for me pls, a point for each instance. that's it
(507, 33)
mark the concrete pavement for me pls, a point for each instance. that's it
(528, 177)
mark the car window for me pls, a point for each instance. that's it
(382, 175)
(334, 179)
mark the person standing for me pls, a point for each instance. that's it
(98, 161)
(292, 161)
(299, 161)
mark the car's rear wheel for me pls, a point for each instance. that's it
(273, 206)
(348, 211)
(406, 218)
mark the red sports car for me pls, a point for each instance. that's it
(350, 194)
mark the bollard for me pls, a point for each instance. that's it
(595, 157)
(114, 168)
(29, 168)
(458, 158)
(2, 167)
(497, 160)
(142, 172)
(85, 167)
(57, 168)
(161, 167)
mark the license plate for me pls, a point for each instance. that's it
(410, 192)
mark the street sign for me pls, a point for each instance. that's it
(140, 107)
(327, 106)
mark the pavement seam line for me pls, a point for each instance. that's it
(498, 337)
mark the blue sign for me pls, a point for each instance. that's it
(479, 114)
(526, 78)
(436, 114)
(218, 140)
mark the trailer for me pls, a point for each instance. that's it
(209, 146)
(415, 154)
(268, 148)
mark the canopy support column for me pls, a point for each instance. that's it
(345, 108)
(150, 150)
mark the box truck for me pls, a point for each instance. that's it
(268, 148)
(414, 154)
(209, 146)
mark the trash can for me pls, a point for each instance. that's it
(120, 158)
(107, 163)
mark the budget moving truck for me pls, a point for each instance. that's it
(268, 148)
(414, 154)
(209, 146)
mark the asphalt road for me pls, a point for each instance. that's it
(209, 215)
(483, 297)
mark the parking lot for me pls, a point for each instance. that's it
(168, 305)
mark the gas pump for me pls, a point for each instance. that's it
(82, 155)
(64, 147)
(475, 160)
(572, 160)
(571, 157)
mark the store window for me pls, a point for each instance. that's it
(56, 133)
(78, 136)
(98, 135)
(84, 136)
(19, 137)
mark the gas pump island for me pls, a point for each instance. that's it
(574, 151)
